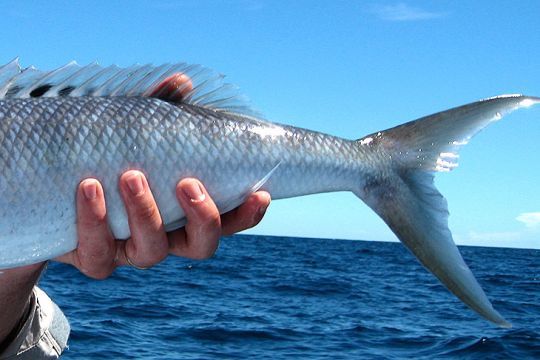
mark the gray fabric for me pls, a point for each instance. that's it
(60, 328)
(44, 333)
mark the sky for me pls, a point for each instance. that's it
(348, 68)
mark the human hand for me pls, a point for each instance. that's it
(99, 254)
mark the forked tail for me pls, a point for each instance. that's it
(403, 194)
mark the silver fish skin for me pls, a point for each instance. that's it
(50, 141)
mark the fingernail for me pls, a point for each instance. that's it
(262, 209)
(135, 184)
(90, 189)
(194, 192)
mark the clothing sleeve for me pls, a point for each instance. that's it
(44, 333)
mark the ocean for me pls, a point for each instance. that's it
(265, 297)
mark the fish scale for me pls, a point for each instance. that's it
(59, 127)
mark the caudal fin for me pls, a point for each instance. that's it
(403, 194)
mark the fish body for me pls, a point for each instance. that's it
(53, 143)
(59, 127)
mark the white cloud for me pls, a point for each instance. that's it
(404, 12)
(530, 219)
(526, 237)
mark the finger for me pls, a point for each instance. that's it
(247, 215)
(148, 244)
(173, 88)
(96, 251)
(200, 237)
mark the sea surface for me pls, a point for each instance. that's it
(266, 297)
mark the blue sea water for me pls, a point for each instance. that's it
(271, 297)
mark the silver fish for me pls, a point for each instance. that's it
(61, 126)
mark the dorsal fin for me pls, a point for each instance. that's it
(72, 79)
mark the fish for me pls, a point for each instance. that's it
(61, 126)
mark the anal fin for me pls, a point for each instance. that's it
(230, 203)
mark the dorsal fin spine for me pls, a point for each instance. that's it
(210, 94)
(148, 77)
(45, 77)
(199, 88)
(121, 88)
(219, 101)
(111, 80)
(11, 70)
(53, 91)
(84, 86)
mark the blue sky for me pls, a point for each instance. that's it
(347, 68)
